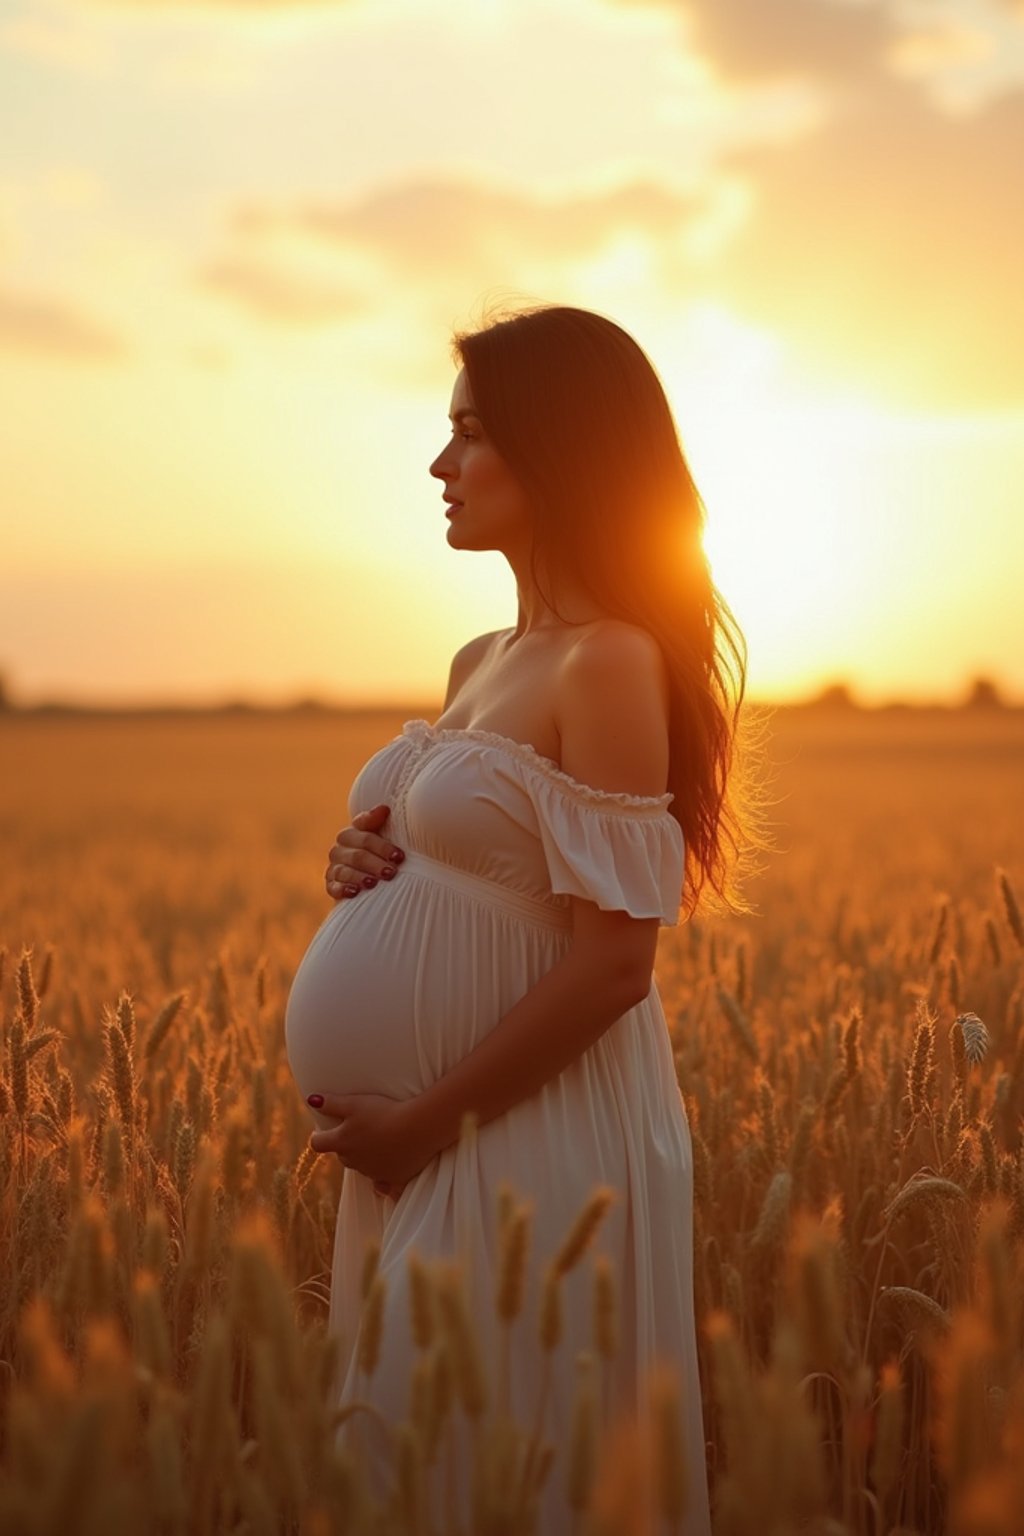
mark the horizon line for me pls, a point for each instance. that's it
(982, 695)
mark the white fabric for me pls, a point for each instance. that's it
(400, 982)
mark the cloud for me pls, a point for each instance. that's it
(880, 242)
(926, 53)
(883, 247)
(54, 327)
(460, 226)
(401, 263)
(436, 236)
(276, 295)
(895, 236)
(746, 41)
(849, 42)
(883, 243)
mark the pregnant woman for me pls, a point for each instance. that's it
(575, 793)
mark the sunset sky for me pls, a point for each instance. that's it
(235, 239)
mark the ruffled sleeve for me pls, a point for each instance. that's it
(624, 852)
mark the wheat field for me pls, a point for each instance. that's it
(851, 1058)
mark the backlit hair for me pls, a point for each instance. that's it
(575, 408)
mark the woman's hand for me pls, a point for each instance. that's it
(359, 857)
(377, 1136)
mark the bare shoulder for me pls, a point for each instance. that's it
(613, 709)
(466, 660)
(476, 649)
(616, 654)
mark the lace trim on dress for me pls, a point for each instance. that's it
(604, 799)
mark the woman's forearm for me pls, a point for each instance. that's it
(552, 1025)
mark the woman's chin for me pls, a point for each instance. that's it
(465, 540)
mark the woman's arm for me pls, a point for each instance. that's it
(560, 1017)
(550, 1027)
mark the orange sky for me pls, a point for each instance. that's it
(234, 240)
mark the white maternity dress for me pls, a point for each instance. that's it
(400, 982)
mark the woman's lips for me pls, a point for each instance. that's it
(454, 507)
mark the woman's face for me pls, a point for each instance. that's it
(494, 511)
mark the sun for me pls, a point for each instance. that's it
(785, 538)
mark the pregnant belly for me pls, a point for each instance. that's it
(401, 982)
(350, 1022)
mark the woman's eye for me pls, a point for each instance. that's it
(470, 437)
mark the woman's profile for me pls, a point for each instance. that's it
(501, 887)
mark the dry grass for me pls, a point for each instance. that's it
(852, 1066)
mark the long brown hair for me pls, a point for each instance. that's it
(577, 411)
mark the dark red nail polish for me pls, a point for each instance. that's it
(396, 855)
(315, 1100)
(369, 881)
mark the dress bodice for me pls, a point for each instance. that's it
(498, 809)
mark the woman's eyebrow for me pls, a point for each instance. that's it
(462, 414)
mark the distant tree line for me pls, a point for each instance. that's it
(983, 693)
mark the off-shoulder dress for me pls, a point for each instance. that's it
(401, 982)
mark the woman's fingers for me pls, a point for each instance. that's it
(368, 821)
(365, 820)
(360, 857)
(334, 1104)
(340, 882)
(325, 1141)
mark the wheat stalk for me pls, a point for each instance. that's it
(578, 1238)
(1011, 906)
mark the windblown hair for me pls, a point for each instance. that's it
(576, 410)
